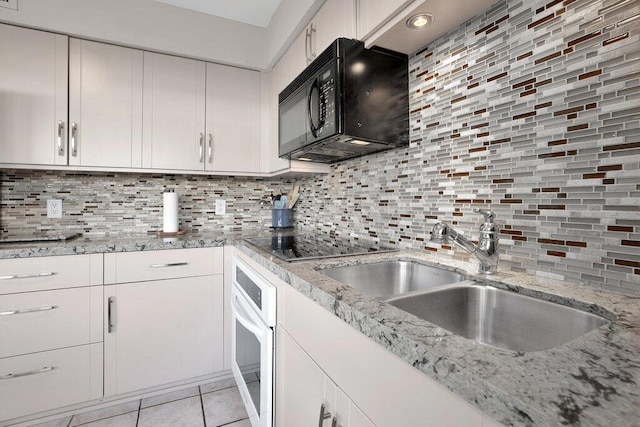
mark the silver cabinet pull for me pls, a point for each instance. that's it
(210, 152)
(171, 264)
(201, 147)
(307, 38)
(60, 138)
(74, 135)
(26, 276)
(313, 54)
(24, 374)
(323, 415)
(28, 310)
(334, 422)
(110, 325)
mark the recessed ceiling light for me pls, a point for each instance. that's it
(420, 20)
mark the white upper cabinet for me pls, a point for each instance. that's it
(372, 13)
(337, 18)
(174, 113)
(33, 96)
(233, 119)
(105, 105)
(200, 116)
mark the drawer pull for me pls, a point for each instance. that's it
(171, 264)
(26, 276)
(24, 374)
(28, 310)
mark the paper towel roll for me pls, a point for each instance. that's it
(170, 212)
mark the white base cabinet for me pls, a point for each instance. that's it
(41, 381)
(163, 317)
(305, 393)
(50, 333)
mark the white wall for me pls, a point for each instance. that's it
(148, 24)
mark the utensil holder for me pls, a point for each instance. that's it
(281, 218)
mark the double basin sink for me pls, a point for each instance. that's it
(491, 316)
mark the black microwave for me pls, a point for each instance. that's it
(348, 102)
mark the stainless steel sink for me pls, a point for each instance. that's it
(499, 318)
(387, 279)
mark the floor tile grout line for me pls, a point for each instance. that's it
(231, 422)
(168, 401)
(100, 419)
(204, 418)
(139, 409)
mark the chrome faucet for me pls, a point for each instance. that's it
(487, 248)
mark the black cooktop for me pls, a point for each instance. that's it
(312, 246)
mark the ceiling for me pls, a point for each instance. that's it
(254, 12)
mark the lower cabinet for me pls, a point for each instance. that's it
(46, 380)
(164, 330)
(306, 395)
(322, 360)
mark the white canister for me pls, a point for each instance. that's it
(170, 212)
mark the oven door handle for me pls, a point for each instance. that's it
(240, 315)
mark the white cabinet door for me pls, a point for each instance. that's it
(105, 105)
(233, 119)
(299, 385)
(173, 112)
(302, 389)
(33, 96)
(335, 19)
(161, 332)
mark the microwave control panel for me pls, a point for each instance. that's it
(327, 102)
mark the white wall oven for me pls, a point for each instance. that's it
(253, 310)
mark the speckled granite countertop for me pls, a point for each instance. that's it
(593, 380)
(119, 243)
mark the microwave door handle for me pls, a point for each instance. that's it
(237, 310)
(312, 127)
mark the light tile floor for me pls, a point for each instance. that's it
(209, 405)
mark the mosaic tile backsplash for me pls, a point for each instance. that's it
(531, 109)
(122, 203)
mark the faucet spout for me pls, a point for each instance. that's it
(486, 251)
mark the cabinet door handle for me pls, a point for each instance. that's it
(27, 310)
(210, 152)
(26, 276)
(74, 135)
(24, 374)
(334, 422)
(323, 415)
(313, 54)
(171, 264)
(201, 147)
(110, 325)
(307, 38)
(60, 138)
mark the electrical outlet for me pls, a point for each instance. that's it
(9, 4)
(54, 208)
(221, 207)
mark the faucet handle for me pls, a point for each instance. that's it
(488, 214)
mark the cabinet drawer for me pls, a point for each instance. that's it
(54, 272)
(165, 264)
(51, 379)
(46, 320)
